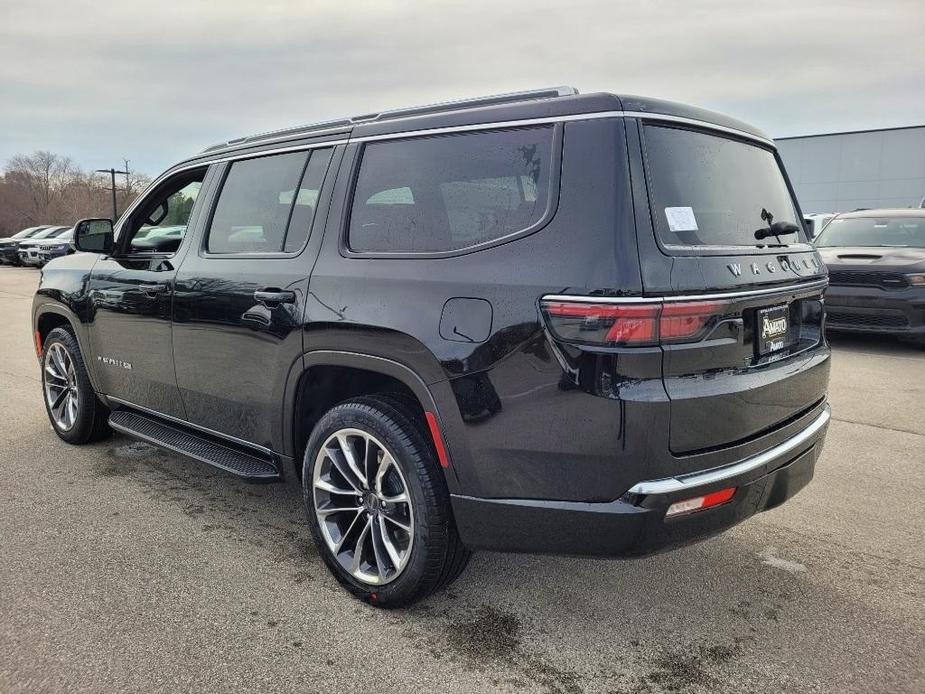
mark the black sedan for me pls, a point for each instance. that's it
(876, 261)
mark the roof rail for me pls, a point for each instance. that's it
(547, 93)
(346, 124)
(341, 124)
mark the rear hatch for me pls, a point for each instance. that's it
(760, 359)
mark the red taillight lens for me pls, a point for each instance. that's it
(624, 324)
(630, 323)
(684, 320)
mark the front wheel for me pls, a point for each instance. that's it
(76, 414)
(377, 502)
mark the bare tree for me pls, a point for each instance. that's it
(47, 188)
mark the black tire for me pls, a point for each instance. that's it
(92, 420)
(437, 555)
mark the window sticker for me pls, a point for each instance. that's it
(681, 218)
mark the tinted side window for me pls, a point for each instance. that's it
(450, 192)
(305, 199)
(253, 209)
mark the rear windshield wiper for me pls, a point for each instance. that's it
(774, 228)
(777, 229)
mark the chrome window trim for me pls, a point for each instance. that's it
(806, 286)
(690, 482)
(207, 160)
(700, 124)
(186, 423)
(503, 124)
(494, 125)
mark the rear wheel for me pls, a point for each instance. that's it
(76, 414)
(377, 502)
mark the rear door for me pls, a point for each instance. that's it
(763, 361)
(240, 294)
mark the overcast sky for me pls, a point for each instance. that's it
(157, 80)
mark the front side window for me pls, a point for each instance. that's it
(450, 192)
(267, 204)
(709, 190)
(160, 224)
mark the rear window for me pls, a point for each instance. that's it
(451, 192)
(709, 190)
(899, 232)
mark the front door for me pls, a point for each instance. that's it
(240, 294)
(130, 295)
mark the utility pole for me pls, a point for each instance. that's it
(128, 180)
(112, 174)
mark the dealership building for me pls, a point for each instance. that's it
(839, 172)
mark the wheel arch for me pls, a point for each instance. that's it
(360, 373)
(48, 316)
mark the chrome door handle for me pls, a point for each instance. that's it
(153, 289)
(274, 297)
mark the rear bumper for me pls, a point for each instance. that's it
(635, 524)
(875, 310)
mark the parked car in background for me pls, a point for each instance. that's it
(160, 239)
(539, 322)
(10, 245)
(815, 222)
(28, 250)
(876, 261)
(56, 247)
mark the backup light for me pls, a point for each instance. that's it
(699, 503)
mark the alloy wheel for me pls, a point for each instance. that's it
(61, 386)
(363, 506)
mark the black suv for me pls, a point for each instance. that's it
(541, 322)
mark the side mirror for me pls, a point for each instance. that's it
(94, 236)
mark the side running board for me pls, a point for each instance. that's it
(250, 465)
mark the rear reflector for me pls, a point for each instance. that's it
(438, 439)
(629, 323)
(699, 503)
(38, 343)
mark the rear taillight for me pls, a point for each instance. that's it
(631, 323)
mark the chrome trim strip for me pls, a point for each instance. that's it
(808, 286)
(206, 163)
(204, 159)
(232, 145)
(489, 126)
(700, 124)
(595, 115)
(185, 423)
(692, 481)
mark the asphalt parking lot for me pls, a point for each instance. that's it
(123, 568)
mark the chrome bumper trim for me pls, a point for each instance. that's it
(690, 482)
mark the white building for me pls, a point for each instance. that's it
(869, 168)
